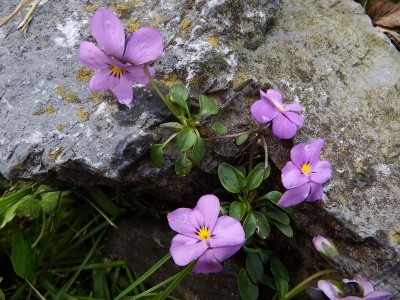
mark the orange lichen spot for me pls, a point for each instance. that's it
(82, 115)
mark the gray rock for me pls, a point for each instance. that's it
(325, 55)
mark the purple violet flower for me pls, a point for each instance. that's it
(333, 292)
(204, 236)
(284, 119)
(305, 174)
(122, 60)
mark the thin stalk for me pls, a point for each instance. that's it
(167, 103)
(41, 230)
(102, 213)
(176, 281)
(36, 291)
(258, 130)
(142, 278)
(91, 266)
(169, 139)
(145, 293)
(252, 149)
(305, 283)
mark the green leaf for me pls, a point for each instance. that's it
(183, 165)
(172, 125)
(177, 99)
(262, 225)
(231, 178)
(267, 171)
(255, 177)
(179, 90)
(186, 139)
(22, 255)
(281, 275)
(29, 209)
(247, 289)
(219, 128)
(11, 210)
(255, 267)
(199, 149)
(286, 229)
(50, 200)
(249, 225)
(274, 196)
(265, 256)
(269, 282)
(277, 215)
(241, 139)
(156, 154)
(207, 106)
(237, 210)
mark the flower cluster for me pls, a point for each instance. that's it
(270, 108)
(204, 236)
(305, 174)
(123, 58)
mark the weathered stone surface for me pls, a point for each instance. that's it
(149, 241)
(325, 55)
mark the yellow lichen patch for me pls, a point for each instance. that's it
(84, 74)
(133, 25)
(82, 115)
(394, 235)
(60, 127)
(160, 18)
(123, 7)
(67, 95)
(250, 100)
(90, 8)
(54, 153)
(213, 41)
(20, 167)
(49, 110)
(95, 97)
(154, 25)
(240, 78)
(341, 199)
(195, 79)
(185, 24)
(170, 79)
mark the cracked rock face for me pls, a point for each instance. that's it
(324, 55)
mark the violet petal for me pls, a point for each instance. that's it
(180, 221)
(93, 57)
(185, 249)
(108, 32)
(295, 196)
(283, 128)
(144, 45)
(123, 91)
(137, 74)
(207, 263)
(263, 111)
(227, 232)
(292, 176)
(321, 171)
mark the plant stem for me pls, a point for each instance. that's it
(166, 101)
(305, 283)
(142, 278)
(258, 130)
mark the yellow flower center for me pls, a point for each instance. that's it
(280, 107)
(306, 168)
(117, 72)
(204, 233)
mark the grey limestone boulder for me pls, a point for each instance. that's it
(323, 54)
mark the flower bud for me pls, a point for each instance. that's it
(325, 247)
